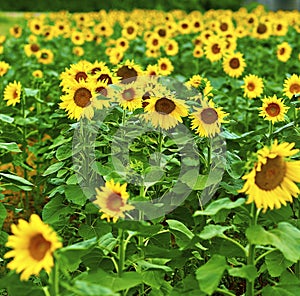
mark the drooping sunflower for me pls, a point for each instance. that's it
(291, 86)
(80, 100)
(270, 183)
(284, 51)
(165, 66)
(3, 68)
(12, 93)
(45, 56)
(214, 48)
(112, 200)
(164, 111)
(33, 245)
(253, 86)
(207, 119)
(273, 109)
(234, 64)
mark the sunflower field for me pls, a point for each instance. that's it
(150, 152)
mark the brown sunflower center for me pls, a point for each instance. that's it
(15, 94)
(295, 88)
(281, 50)
(215, 48)
(162, 32)
(272, 174)
(273, 109)
(38, 247)
(81, 75)
(44, 56)
(105, 78)
(82, 97)
(209, 115)
(279, 27)
(164, 66)
(130, 30)
(261, 29)
(155, 42)
(251, 86)
(101, 90)
(184, 26)
(114, 202)
(37, 27)
(164, 106)
(126, 73)
(223, 27)
(196, 24)
(145, 97)
(128, 94)
(34, 47)
(94, 70)
(234, 63)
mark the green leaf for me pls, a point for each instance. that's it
(246, 272)
(146, 265)
(3, 237)
(53, 168)
(220, 204)
(63, 152)
(85, 288)
(30, 92)
(16, 178)
(3, 214)
(11, 147)
(285, 238)
(6, 118)
(209, 275)
(153, 278)
(194, 180)
(107, 242)
(276, 263)
(75, 195)
(211, 231)
(276, 291)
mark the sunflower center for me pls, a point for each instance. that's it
(196, 24)
(80, 75)
(251, 86)
(215, 48)
(128, 94)
(15, 94)
(94, 70)
(164, 66)
(82, 97)
(105, 78)
(127, 73)
(234, 63)
(279, 27)
(114, 202)
(282, 51)
(101, 90)
(209, 115)
(130, 30)
(34, 47)
(272, 174)
(295, 88)
(184, 26)
(224, 27)
(262, 28)
(155, 42)
(44, 55)
(162, 32)
(273, 109)
(164, 106)
(38, 247)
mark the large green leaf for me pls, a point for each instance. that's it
(53, 168)
(75, 195)
(209, 275)
(6, 118)
(211, 231)
(220, 204)
(16, 178)
(276, 263)
(11, 147)
(246, 272)
(64, 152)
(285, 238)
(85, 288)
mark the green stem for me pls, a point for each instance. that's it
(270, 133)
(263, 255)
(247, 114)
(45, 289)
(251, 252)
(236, 243)
(121, 252)
(54, 279)
(141, 238)
(224, 292)
(297, 266)
(208, 154)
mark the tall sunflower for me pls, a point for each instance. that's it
(234, 64)
(284, 51)
(165, 111)
(207, 119)
(253, 86)
(33, 246)
(112, 200)
(214, 48)
(273, 109)
(12, 93)
(291, 86)
(271, 181)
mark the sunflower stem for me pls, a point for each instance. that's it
(140, 237)
(121, 252)
(247, 115)
(54, 279)
(251, 252)
(270, 133)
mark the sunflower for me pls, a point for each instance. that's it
(280, 27)
(165, 66)
(33, 246)
(284, 51)
(152, 70)
(98, 66)
(12, 93)
(112, 200)
(78, 51)
(273, 109)
(130, 30)
(80, 100)
(45, 56)
(16, 31)
(203, 83)
(271, 182)
(292, 86)
(253, 86)
(154, 42)
(36, 26)
(234, 64)
(3, 68)
(37, 74)
(128, 71)
(164, 111)
(214, 48)
(31, 49)
(122, 44)
(263, 30)
(207, 119)
(77, 38)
